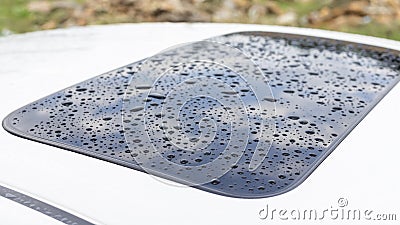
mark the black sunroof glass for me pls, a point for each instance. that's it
(318, 91)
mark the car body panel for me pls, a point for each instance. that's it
(39, 63)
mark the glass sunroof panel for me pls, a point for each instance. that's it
(246, 115)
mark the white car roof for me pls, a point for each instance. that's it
(362, 169)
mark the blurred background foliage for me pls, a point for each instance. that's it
(371, 17)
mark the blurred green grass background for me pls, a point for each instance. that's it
(379, 18)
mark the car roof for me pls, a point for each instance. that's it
(36, 64)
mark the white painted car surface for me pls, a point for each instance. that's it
(363, 169)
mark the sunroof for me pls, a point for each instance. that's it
(246, 115)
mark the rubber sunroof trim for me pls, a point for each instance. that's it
(8, 121)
